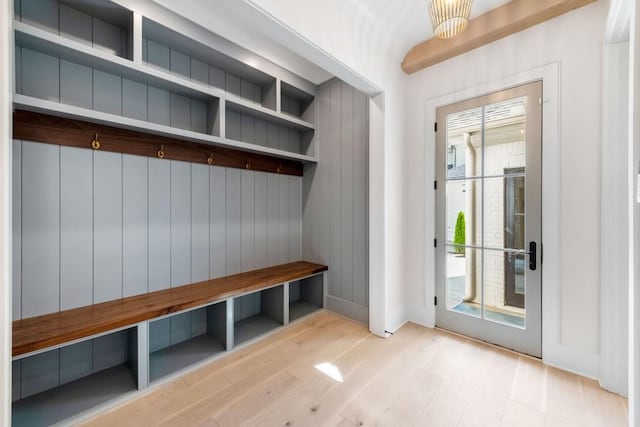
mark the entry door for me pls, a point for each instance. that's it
(488, 219)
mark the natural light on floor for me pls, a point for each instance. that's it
(330, 370)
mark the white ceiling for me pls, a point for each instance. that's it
(406, 22)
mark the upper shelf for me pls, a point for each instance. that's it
(57, 109)
(41, 40)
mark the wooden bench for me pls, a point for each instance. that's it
(38, 333)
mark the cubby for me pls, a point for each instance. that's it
(257, 313)
(184, 339)
(297, 102)
(305, 296)
(58, 384)
(173, 52)
(102, 25)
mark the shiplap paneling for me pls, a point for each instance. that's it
(335, 205)
(107, 230)
(16, 195)
(76, 227)
(40, 287)
(94, 226)
(135, 225)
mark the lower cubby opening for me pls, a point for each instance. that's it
(58, 384)
(180, 341)
(257, 313)
(305, 296)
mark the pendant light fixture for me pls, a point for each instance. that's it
(449, 17)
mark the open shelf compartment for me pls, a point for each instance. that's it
(58, 384)
(182, 340)
(257, 313)
(305, 296)
(178, 54)
(297, 102)
(100, 24)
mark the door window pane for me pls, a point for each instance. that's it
(464, 144)
(464, 212)
(464, 280)
(504, 138)
(504, 287)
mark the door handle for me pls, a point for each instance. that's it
(532, 256)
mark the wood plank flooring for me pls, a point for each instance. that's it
(418, 377)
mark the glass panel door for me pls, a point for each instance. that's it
(488, 218)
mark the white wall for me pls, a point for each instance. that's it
(574, 40)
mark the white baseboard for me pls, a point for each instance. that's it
(349, 309)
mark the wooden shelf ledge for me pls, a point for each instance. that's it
(37, 333)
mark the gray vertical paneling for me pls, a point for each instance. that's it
(159, 225)
(134, 225)
(40, 13)
(158, 55)
(40, 75)
(108, 351)
(232, 84)
(40, 373)
(159, 106)
(217, 77)
(200, 240)
(360, 187)
(180, 327)
(198, 322)
(218, 211)
(233, 228)
(295, 218)
(272, 135)
(159, 334)
(247, 221)
(40, 229)
(16, 195)
(76, 228)
(134, 99)
(260, 228)
(180, 111)
(334, 163)
(107, 219)
(260, 132)
(334, 192)
(198, 116)
(18, 70)
(199, 71)
(273, 220)
(76, 361)
(180, 223)
(107, 37)
(346, 202)
(180, 64)
(246, 128)
(283, 215)
(234, 127)
(107, 92)
(16, 377)
(75, 25)
(75, 85)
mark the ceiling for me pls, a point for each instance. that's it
(406, 22)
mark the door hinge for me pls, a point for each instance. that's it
(435, 300)
(435, 243)
(435, 126)
(435, 185)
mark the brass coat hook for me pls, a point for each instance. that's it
(210, 159)
(248, 165)
(95, 144)
(161, 152)
(279, 169)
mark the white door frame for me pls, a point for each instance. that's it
(554, 353)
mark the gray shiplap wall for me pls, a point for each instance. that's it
(93, 226)
(335, 205)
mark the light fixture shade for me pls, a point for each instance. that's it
(449, 17)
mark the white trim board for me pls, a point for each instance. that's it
(554, 353)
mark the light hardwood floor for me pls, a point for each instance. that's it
(419, 377)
